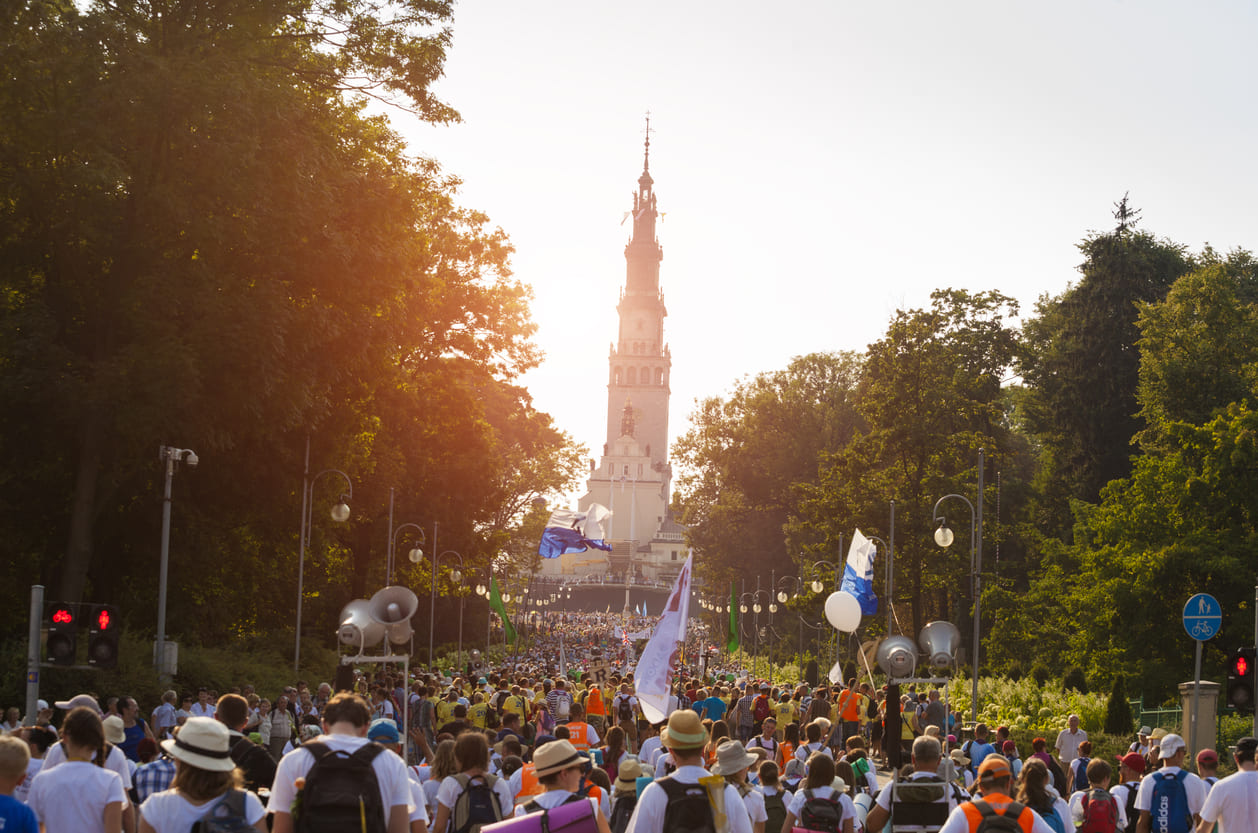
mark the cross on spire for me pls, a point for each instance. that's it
(646, 154)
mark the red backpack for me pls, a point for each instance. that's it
(761, 708)
(1100, 812)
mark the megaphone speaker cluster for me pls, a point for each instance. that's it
(388, 613)
(940, 641)
(897, 656)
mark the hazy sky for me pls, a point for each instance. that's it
(821, 164)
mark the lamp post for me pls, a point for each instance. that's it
(457, 575)
(818, 585)
(944, 538)
(171, 457)
(339, 513)
(416, 553)
(784, 596)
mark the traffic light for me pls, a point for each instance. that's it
(63, 632)
(102, 637)
(1240, 680)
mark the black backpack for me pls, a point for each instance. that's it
(688, 809)
(919, 802)
(775, 808)
(227, 815)
(476, 805)
(624, 710)
(823, 814)
(622, 811)
(341, 791)
(1132, 814)
(992, 822)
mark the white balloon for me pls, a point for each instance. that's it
(843, 611)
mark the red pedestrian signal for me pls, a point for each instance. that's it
(63, 633)
(102, 635)
(1240, 680)
(102, 619)
(1241, 667)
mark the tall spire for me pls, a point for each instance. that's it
(645, 182)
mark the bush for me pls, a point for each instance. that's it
(1015, 671)
(1118, 719)
(1075, 680)
(1041, 674)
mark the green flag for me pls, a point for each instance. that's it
(732, 644)
(496, 605)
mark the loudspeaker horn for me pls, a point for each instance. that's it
(940, 641)
(358, 628)
(393, 608)
(897, 656)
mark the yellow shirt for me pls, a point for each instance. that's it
(476, 713)
(514, 704)
(785, 713)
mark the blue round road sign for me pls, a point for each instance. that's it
(1203, 616)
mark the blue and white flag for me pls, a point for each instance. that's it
(568, 531)
(858, 573)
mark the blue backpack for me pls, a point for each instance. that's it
(1169, 808)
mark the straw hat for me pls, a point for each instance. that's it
(627, 774)
(204, 743)
(958, 757)
(731, 757)
(114, 729)
(684, 731)
(556, 756)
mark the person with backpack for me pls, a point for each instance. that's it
(1077, 772)
(732, 763)
(1130, 770)
(761, 708)
(384, 732)
(473, 797)
(994, 809)
(1037, 792)
(333, 783)
(679, 802)
(254, 761)
(1095, 810)
(817, 805)
(919, 803)
(1233, 802)
(775, 797)
(560, 767)
(767, 739)
(625, 798)
(1177, 794)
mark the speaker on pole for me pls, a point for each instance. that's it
(393, 607)
(897, 656)
(940, 641)
(358, 628)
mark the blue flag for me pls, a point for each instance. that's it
(858, 573)
(569, 532)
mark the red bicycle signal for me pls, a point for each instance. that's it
(62, 616)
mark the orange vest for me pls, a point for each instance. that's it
(529, 785)
(786, 754)
(579, 735)
(594, 702)
(999, 803)
(850, 706)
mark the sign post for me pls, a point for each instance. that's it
(1203, 616)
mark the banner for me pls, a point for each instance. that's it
(496, 605)
(858, 573)
(731, 643)
(659, 658)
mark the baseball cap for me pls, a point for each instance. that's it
(84, 700)
(1247, 745)
(1171, 744)
(1133, 761)
(1207, 756)
(383, 730)
(994, 766)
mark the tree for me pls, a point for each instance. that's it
(1081, 364)
(1118, 719)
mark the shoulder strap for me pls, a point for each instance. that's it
(367, 753)
(316, 749)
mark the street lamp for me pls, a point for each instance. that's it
(944, 538)
(414, 555)
(457, 577)
(171, 457)
(784, 596)
(339, 513)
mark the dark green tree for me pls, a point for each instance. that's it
(1118, 720)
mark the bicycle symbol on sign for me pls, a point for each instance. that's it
(1202, 630)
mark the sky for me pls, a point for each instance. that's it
(820, 165)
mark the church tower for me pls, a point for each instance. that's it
(633, 476)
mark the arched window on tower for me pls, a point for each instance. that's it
(646, 376)
(631, 376)
(659, 375)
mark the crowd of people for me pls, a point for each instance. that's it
(561, 736)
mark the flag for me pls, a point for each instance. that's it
(731, 644)
(858, 573)
(496, 605)
(568, 532)
(659, 657)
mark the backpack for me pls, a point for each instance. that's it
(1100, 812)
(992, 822)
(775, 807)
(227, 815)
(822, 814)
(1049, 813)
(476, 805)
(1079, 766)
(341, 791)
(916, 802)
(762, 709)
(1132, 814)
(688, 808)
(622, 811)
(1169, 807)
(624, 710)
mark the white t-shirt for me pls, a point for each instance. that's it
(1068, 744)
(1233, 802)
(796, 804)
(804, 752)
(170, 812)
(650, 750)
(390, 774)
(754, 802)
(648, 815)
(419, 808)
(552, 799)
(1194, 790)
(199, 710)
(72, 797)
(450, 790)
(116, 762)
(22, 790)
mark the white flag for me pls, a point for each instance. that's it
(659, 658)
